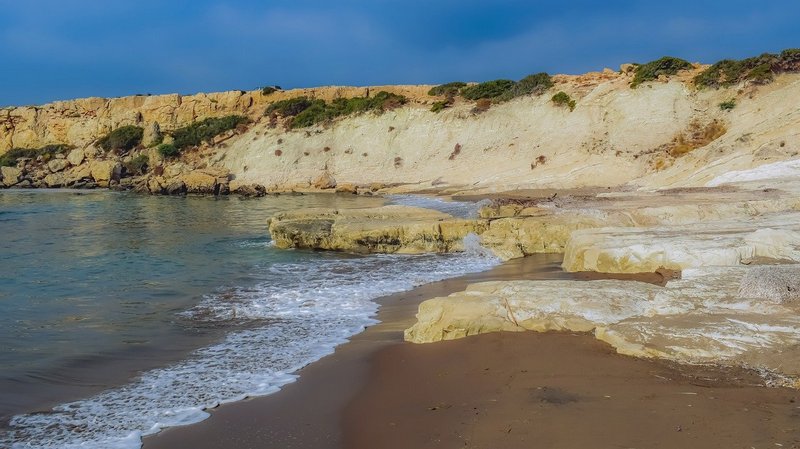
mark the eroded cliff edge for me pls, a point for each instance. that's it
(666, 132)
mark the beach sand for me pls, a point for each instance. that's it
(502, 390)
(560, 390)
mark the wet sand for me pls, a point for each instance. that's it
(560, 390)
(379, 392)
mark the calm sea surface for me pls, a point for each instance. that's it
(123, 314)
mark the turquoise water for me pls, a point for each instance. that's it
(122, 314)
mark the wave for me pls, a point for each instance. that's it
(295, 314)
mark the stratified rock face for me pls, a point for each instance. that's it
(701, 318)
(713, 243)
(514, 237)
(387, 229)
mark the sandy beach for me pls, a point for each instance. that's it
(503, 390)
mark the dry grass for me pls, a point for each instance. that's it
(697, 136)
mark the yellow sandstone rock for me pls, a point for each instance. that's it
(387, 229)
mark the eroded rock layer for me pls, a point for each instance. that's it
(387, 229)
(702, 318)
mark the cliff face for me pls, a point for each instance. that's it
(80, 122)
(664, 133)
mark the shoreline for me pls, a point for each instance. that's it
(333, 398)
(283, 419)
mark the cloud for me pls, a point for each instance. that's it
(114, 47)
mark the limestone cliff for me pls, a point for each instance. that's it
(663, 133)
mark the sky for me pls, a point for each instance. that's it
(61, 49)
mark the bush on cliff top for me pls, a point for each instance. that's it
(266, 90)
(504, 90)
(291, 107)
(758, 69)
(205, 130)
(9, 158)
(125, 138)
(667, 66)
(306, 112)
(535, 84)
(448, 90)
(488, 89)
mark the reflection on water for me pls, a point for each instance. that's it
(92, 282)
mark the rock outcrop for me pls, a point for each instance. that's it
(387, 229)
(701, 318)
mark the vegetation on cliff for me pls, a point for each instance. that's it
(666, 66)
(305, 112)
(448, 90)
(138, 165)
(504, 90)
(562, 99)
(266, 90)
(168, 150)
(125, 138)
(9, 158)
(205, 130)
(758, 69)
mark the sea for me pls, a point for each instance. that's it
(123, 314)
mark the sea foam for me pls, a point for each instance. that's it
(297, 313)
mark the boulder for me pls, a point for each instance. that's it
(175, 188)
(105, 171)
(76, 156)
(156, 185)
(11, 175)
(57, 165)
(347, 188)
(76, 174)
(199, 182)
(92, 152)
(324, 181)
(176, 169)
(387, 229)
(248, 190)
(54, 180)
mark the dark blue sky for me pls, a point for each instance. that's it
(61, 49)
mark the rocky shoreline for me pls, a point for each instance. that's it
(729, 256)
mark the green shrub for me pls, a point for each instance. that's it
(137, 165)
(488, 89)
(125, 138)
(535, 84)
(168, 150)
(758, 69)
(440, 106)
(291, 106)
(205, 130)
(664, 66)
(319, 111)
(728, 104)
(504, 90)
(562, 99)
(9, 158)
(448, 90)
(266, 90)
